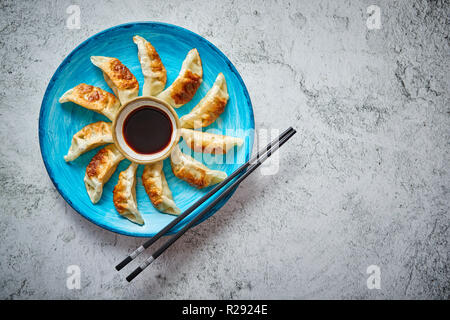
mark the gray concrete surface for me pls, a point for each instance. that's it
(365, 182)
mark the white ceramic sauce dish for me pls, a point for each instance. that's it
(129, 108)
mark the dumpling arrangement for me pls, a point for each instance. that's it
(125, 87)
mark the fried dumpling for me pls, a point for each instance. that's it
(118, 77)
(192, 171)
(155, 76)
(91, 136)
(183, 89)
(124, 195)
(208, 142)
(157, 189)
(94, 99)
(209, 108)
(100, 169)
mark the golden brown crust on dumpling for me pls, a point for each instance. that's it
(156, 63)
(217, 107)
(210, 107)
(96, 128)
(118, 77)
(90, 93)
(153, 192)
(192, 171)
(97, 162)
(100, 169)
(90, 137)
(93, 98)
(185, 88)
(208, 142)
(121, 75)
(157, 188)
(101, 163)
(119, 198)
(195, 178)
(154, 72)
(124, 195)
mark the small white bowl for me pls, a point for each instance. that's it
(117, 130)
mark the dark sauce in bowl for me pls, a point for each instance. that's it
(147, 130)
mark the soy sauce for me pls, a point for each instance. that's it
(147, 130)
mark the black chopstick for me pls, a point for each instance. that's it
(229, 189)
(167, 228)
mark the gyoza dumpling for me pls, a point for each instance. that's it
(91, 136)
(100, 169)
(209, 108)
(193, 172)
(157, 189)
(124, 195)
(118, 77)
(208, 142)
(94, 99)
(152, 68)
(183, 89)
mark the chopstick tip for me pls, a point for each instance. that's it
(123, 263)
(133, 275)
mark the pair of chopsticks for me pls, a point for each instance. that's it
(248, 167)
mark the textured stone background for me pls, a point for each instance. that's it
(365, 181)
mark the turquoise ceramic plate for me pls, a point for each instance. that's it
(58, 122)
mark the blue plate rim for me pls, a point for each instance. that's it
(67, 60)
